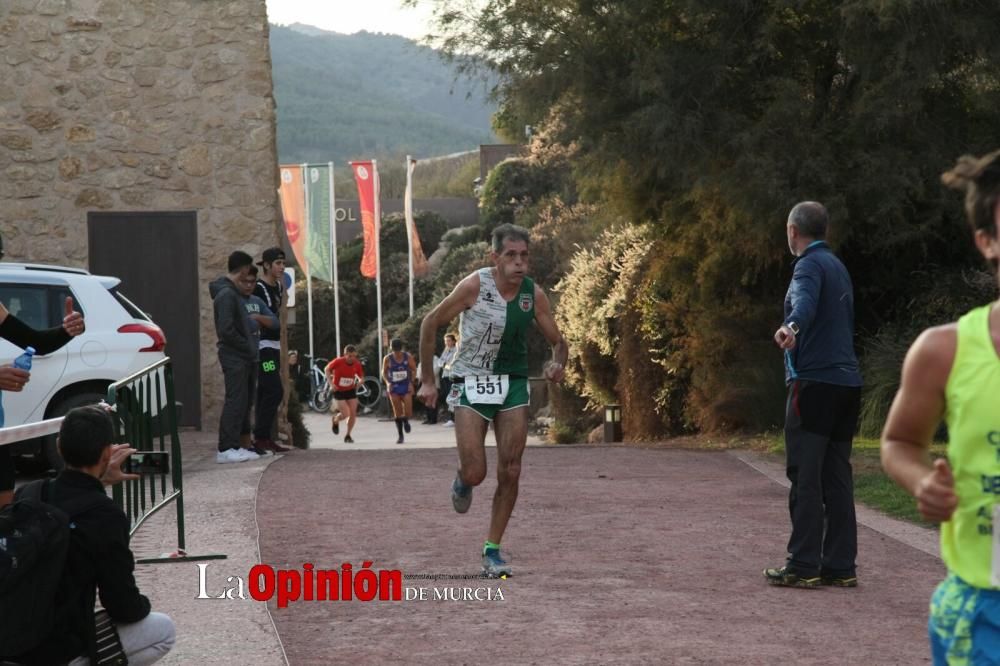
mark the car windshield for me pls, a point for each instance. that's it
(129, 306)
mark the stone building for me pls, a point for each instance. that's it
(137, 139)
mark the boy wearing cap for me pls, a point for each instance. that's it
(269, 389)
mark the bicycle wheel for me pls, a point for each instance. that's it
(369, 393)
(321, 399)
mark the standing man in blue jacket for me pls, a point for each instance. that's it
(821, 412)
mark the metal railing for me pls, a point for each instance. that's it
(147, 419)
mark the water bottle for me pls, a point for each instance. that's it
(24, 360)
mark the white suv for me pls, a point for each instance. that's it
(120, 340)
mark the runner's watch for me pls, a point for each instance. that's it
(793, 327)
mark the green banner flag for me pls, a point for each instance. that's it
(320, 219)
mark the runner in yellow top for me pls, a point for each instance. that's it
(953, 372)
(490, 374)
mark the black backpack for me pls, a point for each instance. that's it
(34, 540)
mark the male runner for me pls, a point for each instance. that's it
(343, 374)
(490, 374)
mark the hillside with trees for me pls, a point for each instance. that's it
(343, 97)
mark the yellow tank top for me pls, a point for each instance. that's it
(973, 418)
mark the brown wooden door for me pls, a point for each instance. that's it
(156, 256)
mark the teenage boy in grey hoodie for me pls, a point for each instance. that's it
(237, 356)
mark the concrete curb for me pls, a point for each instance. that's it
(921, 538)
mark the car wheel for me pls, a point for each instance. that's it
(49, 451)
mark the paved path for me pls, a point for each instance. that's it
(621, 556)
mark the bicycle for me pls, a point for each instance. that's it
(320, 393)
(369, 392)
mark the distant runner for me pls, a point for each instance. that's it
(398, 372)
(343, 373)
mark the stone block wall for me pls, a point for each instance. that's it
(136, 105)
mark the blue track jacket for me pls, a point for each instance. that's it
(820, 300)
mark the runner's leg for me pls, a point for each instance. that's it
(512, 436)
(470, 436)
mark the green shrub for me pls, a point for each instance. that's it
(943, 296)
(300, 434)
(561, 432)
(511, 186)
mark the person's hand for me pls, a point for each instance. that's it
(13, 379)
(784, 337)
(73, 320)
(114, 473)
(554, 372)
(936, 498)
(428, 394)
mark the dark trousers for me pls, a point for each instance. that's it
(442, 397)
(239, 378)
(269, 392)
(820, 420)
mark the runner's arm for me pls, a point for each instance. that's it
(913, 418)
(385, 369)
(554, 369)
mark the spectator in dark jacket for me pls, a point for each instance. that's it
(237, 355)
(821, 413)
(99, 561)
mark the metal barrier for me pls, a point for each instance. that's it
(147, 418)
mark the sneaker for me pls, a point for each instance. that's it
(449, 424)
(406, 426)
(336, 427)
(250, 455)
(461, 495)
(784, 577)
(400, 440)
(230, 456)
(494, 566)
(348, 440)
(838, 581)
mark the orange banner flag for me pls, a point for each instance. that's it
(293, 210)
(419, 260)
(366, 176)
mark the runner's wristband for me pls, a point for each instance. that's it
(45, 342)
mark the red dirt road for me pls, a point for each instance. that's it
(620, 556)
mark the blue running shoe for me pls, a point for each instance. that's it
(461, 495)
(494, 566)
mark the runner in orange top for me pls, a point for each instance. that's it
(343, 373)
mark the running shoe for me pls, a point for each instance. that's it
(785, 577)
(336, 427)
(348, 440)
(838, 581)
(494, 566)
(400, 440)
(406, 426)
(461, 495)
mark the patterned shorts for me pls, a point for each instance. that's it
(964, 624)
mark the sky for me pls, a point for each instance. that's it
(350, 16)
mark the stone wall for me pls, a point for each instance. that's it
(136, 105)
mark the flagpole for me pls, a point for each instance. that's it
(333, 261)
(408, 215)
(378, 259)
(309, 293)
